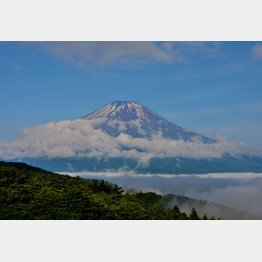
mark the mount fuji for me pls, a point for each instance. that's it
(125, 135)
(137, 121)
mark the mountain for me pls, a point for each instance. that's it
(136, 120)
(128, 136)
(27, 192)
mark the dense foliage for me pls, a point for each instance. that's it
(27, 192)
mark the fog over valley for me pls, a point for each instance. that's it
(240, 191)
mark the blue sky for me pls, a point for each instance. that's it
(208, 87)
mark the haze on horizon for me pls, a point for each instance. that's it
(208, 87)
(241, 191)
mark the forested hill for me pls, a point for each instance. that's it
(27, 192)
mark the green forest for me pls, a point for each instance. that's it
(28, 193)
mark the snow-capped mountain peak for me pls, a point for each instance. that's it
(119, 110)
(136, 120)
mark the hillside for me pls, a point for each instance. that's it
(27, 192)
(138, 121)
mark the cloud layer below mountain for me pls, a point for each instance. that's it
(82, 138)
(241, 191)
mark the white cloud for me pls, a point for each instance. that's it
(120, 125)
(106, 53)
(80, 138)
(241, 191)
(84, 54)
(138, 125)
(182, 49)
(241, 176)
(257, 51)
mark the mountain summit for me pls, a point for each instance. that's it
(136, 120)
(125, 135)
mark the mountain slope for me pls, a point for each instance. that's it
(27, 192)
(136, 120)
(31, 193)
(128, 135)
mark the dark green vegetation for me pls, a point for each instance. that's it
(27, 192)
(204, 207)
(226, 163)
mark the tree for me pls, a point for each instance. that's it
(205, 217)
(193, 215)
(176, 212)
(118, 190)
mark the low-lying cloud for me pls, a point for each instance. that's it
(81, 138)
(240, 191)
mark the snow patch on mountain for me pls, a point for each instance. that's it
(119, 110)
(138, 121)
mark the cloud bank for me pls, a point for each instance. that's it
(81, 138)
(83, 54)
(241, 191)
(107, 53)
